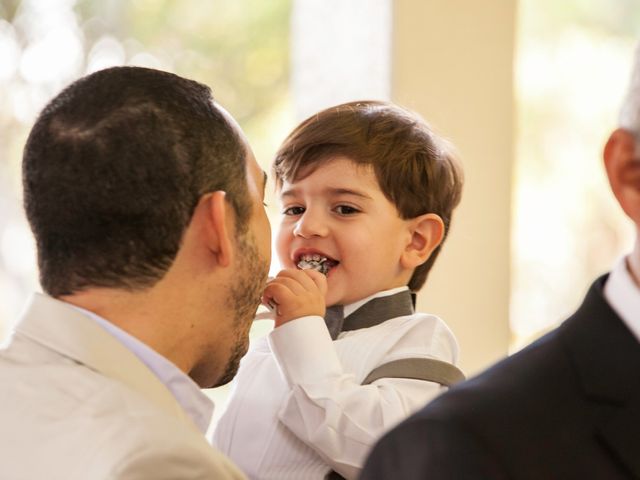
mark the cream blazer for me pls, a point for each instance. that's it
(76, 404)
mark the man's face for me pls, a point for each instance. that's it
(252, 260)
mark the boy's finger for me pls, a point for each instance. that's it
(299, 276)
(269, 302)
(293, 284)
(319, 279)
(284, 291)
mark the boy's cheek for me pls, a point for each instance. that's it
(282, 244)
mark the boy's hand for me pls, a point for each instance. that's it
(296, 293)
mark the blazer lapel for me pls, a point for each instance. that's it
(606, 356)
(65, 330)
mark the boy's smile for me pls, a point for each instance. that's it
(316, 261)
(337, 216)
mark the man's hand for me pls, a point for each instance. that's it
(296, 293)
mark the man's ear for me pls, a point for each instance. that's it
(426, 233)
(622, 163)
(218, 228)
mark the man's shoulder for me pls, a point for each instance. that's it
(556, 392)
(109, 430)
(151, 444)
(538, 375)
(507, 388)
(64, 390)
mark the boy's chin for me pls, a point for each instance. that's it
(333, 299)
(338, 298)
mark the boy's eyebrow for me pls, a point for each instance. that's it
(264, 182)
(333, 191)
(348, 191)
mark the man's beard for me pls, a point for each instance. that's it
(243, 299)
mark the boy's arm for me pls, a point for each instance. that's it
(328, 409)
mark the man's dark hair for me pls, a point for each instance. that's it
(113, 170)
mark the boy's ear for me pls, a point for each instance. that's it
(426, 233)
(217, 228)
(622, 163)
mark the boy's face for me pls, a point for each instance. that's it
(339, 212)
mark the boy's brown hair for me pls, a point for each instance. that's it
(416, 170)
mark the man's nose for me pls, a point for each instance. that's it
(311, 224)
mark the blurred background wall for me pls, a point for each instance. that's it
(527, 90)
(453, 62)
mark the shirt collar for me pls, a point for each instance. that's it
(352, 307)
(623, 295)
(188, 394)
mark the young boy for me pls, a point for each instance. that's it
(367, 193)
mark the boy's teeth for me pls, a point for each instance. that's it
(313, 258)
(315, 262)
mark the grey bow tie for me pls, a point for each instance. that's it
(372, 313)
(334, 318)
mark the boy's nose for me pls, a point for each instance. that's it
(310, 226)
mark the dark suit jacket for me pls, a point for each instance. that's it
(566, 407)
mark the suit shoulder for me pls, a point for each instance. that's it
(132, 438)
(164, 448)
(510, 384)
(102, 429)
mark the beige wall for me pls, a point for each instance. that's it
(453, 63)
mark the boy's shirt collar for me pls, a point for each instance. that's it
(352, 307)
(369, 311)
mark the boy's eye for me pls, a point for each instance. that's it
(293, 211)
(346, 210)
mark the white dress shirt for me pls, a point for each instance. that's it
(188, 394)
(623, 295)
(298, 409)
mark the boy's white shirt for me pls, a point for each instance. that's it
(298, 409)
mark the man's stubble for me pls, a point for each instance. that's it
(244, 298)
